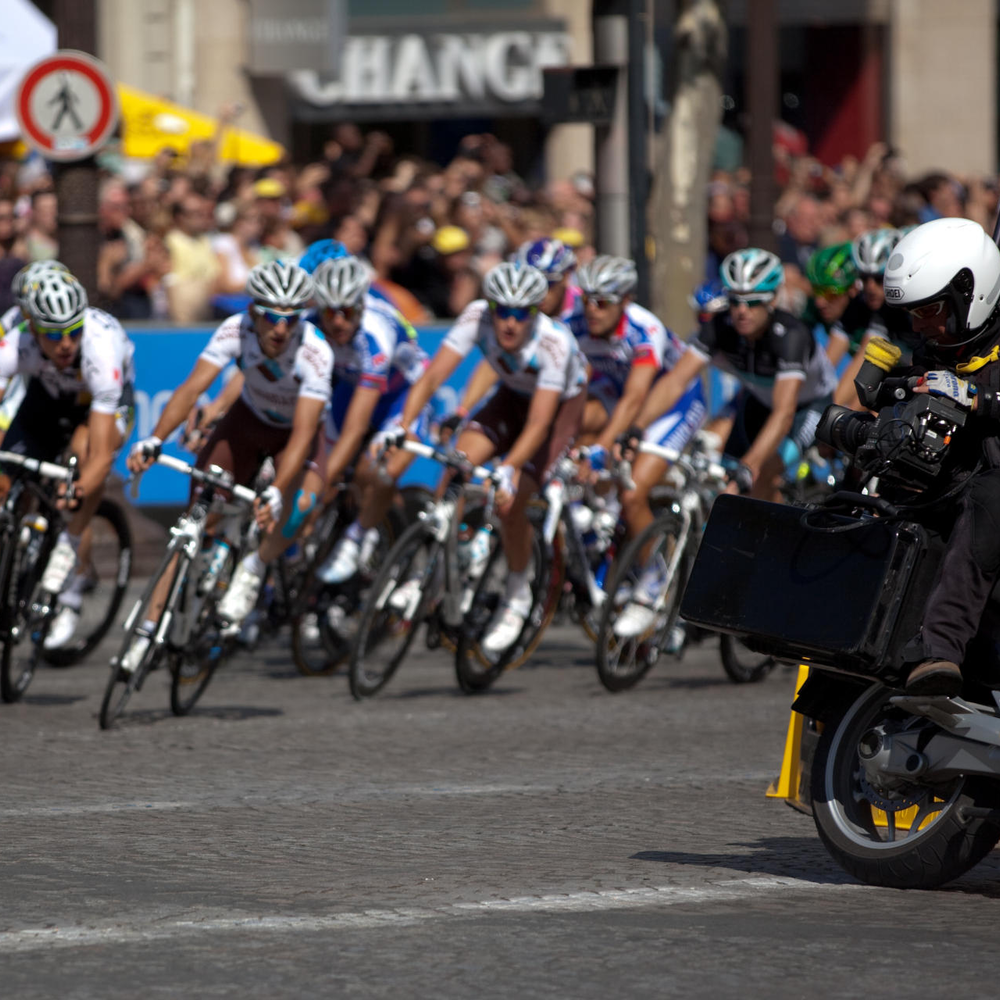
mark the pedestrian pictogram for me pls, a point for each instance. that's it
(67, 106)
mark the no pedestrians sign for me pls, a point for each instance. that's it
(67, 106)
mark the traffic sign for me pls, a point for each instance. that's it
(66, 105)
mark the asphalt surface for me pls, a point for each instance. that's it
(544, 839)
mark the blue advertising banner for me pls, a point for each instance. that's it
(164, 357)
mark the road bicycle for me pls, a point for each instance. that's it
(188, 636)
(30, 524)
(455, 588)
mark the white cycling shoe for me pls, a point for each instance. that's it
(241, 597)
(129, 663)
(62, 628)
(57, 570)
(503, 631)
(348, 556)
(634, 620)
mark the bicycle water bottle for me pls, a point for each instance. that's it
(217, 562)
(463, 549)
(32, 525)
(479, 552)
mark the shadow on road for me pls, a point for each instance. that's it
(793, 857)
(227, 713)
(53, 699)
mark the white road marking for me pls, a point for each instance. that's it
(37, 938)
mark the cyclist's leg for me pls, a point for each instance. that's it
(600, 403)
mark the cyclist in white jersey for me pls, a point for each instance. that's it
(531, 419)
(77, 370)
(286, 366)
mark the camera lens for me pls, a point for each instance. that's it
(843, 428)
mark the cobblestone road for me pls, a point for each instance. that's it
(546, 839)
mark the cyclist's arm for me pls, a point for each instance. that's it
(664, 395)
(778, 424)
(442, 365)
(483, 379)
(837, 346)
(102, 441)
(295, 454)
(637, 385)
(357, 421)
(846, 394)
(219, 406)
(185, 397)
(541, 414)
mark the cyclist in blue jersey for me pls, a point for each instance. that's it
(376, 360)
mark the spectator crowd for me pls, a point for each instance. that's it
(177, 242)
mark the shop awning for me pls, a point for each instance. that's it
(150, 124)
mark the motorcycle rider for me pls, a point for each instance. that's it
(946, 274)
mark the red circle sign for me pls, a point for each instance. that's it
(67, 106)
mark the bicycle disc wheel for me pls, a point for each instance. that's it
(742, 665)
(106, 564)
(474, 669)
(622, 661)
(399, 596)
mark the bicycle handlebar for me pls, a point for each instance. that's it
(48, 470)
(201, 476)
(452, 459)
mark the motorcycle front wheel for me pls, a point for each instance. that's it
(899, 835)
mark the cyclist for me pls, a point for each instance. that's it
(531, 419)
(785, 378)
(376, 360)
(286, 366)
(628, 349)
(833, 305)
(871, 252)
(77, 367)
(556, 261)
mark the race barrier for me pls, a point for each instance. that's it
(164, 356)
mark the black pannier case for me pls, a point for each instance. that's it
(848, 599)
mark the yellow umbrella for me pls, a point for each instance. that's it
(149, 124)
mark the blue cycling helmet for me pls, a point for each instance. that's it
(551, 256)
(752, 271)
(709, 297)
(321, 250)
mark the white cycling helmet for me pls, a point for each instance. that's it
(22, 280)
(752, 271)
(55, 298)
(280, 286)
(952, 261)
(871, 250)
(608, 277)
(515, 285)
(341, 282)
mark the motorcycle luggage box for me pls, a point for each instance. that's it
(848, 599)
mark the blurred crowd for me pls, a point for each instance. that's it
(178, 241)
(178, 238)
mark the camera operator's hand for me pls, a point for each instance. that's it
(949, 385)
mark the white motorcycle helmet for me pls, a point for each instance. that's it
(952, 261)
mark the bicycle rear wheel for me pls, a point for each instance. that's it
(474, 669)
(106, 562)
(404, 588)
(622, 661)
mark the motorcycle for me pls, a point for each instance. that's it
(905, 788)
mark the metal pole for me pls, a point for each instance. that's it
(762, 103)
(638, 151)
(76, 183)
(611, 48)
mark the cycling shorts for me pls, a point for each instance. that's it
(504, 415)
(752, 414)
(679, 424)
(388, 409)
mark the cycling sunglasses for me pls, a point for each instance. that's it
(601, 301)
(520, 313)
(928, 310)
(749, 300)
(828, 292)
(348, 312)
(59, 333)
(276, 316)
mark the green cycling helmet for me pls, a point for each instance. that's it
(832, 269)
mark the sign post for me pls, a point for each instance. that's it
(67, 108)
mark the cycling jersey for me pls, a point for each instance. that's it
(272, 386)
(787, 350)
(100, 378)
(549, 358)
(639, 339)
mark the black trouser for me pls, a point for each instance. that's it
(969, 569)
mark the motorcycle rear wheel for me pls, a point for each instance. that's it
(922, 838)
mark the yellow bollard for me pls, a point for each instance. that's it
(786, 786)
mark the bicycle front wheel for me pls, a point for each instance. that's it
(16, 668)
(623, 659)
(742, 665)
(404, 588)
(105, 568)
